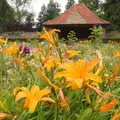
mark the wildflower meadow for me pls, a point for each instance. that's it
(48, 79)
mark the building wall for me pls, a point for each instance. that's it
(81, 32)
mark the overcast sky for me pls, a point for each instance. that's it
(36, 5)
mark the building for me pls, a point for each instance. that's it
(78, 18)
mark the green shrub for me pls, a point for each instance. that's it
(71, 37)
(97, 34)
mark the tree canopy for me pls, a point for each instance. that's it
(6, 15)
(112, 13)
(70, 3)
(53, 10)
(42, 17)
(14, 12)
(20, 8)
(94, 5)
(48, 12)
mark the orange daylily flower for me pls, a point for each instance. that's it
(51, 63)
(17, 89)
(3, 41)
(32, 97)
(117, 54)
(12, 50)
(4, 116)
(116, 116)
(21, 62)
(78, 73)
(108, 106)
(72, 53)
(48, 35)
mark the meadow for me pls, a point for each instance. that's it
(51, 80)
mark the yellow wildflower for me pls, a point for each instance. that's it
(51, 63)
(3, 41)
(117, 54)
(78, 73)
(72, 53)
(48, 35)
(21, 62)
(32, 97)
(12, 50)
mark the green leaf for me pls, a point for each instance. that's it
(85, 115)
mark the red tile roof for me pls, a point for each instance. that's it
(85, 14)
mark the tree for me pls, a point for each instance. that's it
(6, 15)
(29, 22)
(112, 13)
(42, 17)
(53, 10)
(20, 8)
(69, 3)
(47, 13)
(94, 5)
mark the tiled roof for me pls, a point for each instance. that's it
(77, 14)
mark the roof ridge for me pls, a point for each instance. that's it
(89, 16)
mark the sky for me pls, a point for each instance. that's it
(36, 5)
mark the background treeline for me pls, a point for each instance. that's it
(15, 15)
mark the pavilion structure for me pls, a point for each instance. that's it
(78, 18)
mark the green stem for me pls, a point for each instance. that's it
(59, 53)
(56, 106)
(56, 112)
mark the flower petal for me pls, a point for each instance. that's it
(20, 95)
(17, 89)
(32, 106)
(47, 99)
(94, 77)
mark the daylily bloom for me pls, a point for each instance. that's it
(116, 116)
(3, 41)
(32, 97)
(108, 106)
(48, 35)
(117, 54)
(4, 116)
(21, 62)
(51, 63)
(72, 53)
(12, 50)
(78, 73)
